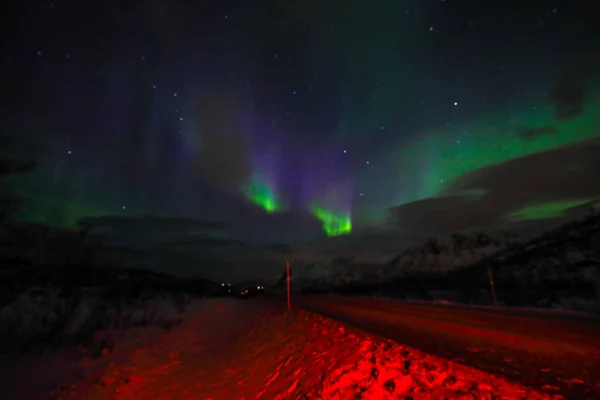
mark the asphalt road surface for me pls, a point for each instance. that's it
(556, 352)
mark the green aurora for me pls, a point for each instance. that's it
(454, 151)
(333, 225)
(436, 158)
(551, 209)
(264, 197)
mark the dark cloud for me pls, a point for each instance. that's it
(183, 246)
(15, 166)
(567, 172)
(215, 262)
(569, 95)
(280, 248)
(150, 225)
(486, 197)
(442, 214)
(198, 241)
(531, 132)
(224, 156)
(166, 258)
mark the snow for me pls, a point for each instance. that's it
(233, 349)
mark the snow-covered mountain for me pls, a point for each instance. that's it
(438, 255)
(558, 269)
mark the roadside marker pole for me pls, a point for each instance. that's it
(492, 286)
(287, 272)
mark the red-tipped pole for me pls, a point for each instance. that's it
(492, 286)
(287, 272)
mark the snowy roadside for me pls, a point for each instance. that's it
(255, 350)
(32, 377)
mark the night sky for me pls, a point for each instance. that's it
(256, 123)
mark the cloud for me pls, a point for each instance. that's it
(568, 95)
(182, 246)
(442, 214)
(197, 241)
(15, 166)
(568, 172)
(146, 225)
(488, 197)
(279, 248)
(531, 132)
(224, 148)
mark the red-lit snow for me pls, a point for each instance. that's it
(232, 349)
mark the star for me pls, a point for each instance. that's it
(124, 207)
(174, 94)
(455, 103)
(69, 152)
(344, 151)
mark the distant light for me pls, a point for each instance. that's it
(344, 151)
(174, 94)
(124, 207)
(181, 118)
(294, 92)
(456, 103)
(69, 152)
(258, 287)
(229, 284)
(382, 128)
(143, 58)
(368, 162)
(39, 53)
(222, 284)
(153, 86)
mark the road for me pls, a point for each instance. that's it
(557, 353)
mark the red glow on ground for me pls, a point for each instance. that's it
(252, 350)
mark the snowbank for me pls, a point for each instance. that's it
(285, 356)
(60, 306)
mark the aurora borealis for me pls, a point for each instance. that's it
(292, 121)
